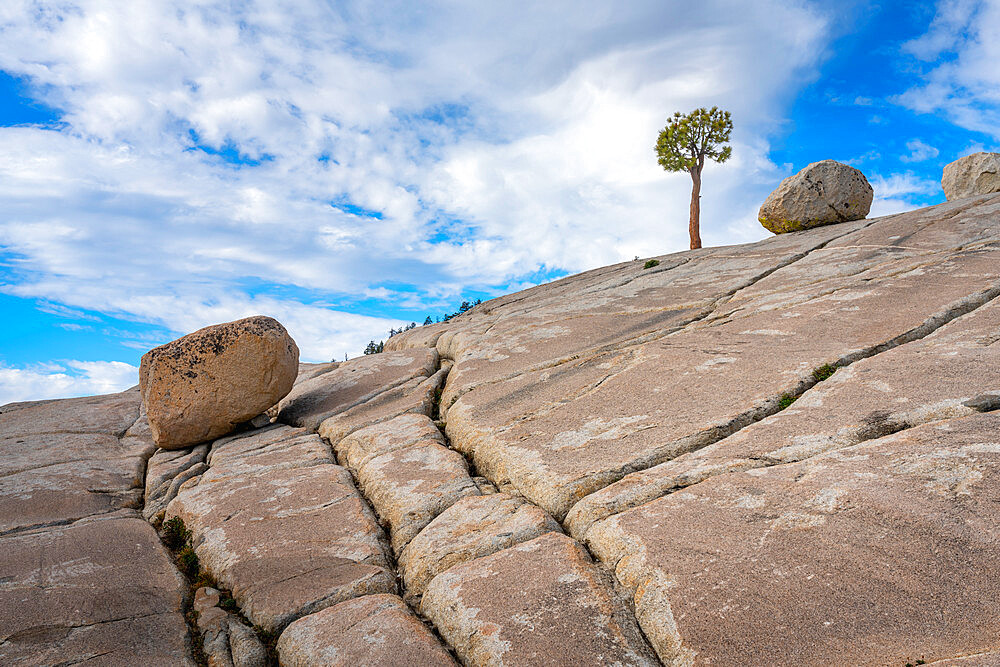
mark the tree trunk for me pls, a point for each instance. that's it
(693, 225)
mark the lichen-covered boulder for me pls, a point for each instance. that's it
(823, 193)
(972, 175)
(200, 386)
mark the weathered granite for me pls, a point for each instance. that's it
(865, 555)
(406, 473)
(411, 486)
(579, 317)
(416, 396)
(370, 631)
(226, 641)
(822, 193)
(971, 176)
(286, 532)
(68, 459)
(542, 602)
(953, 372)
(473, 527)
(200, 386)
(403, 431)
(100, 589)
(561, 433)
(352, 383)
(111, 414)
(166, 470)
(648, 406)
(988, 659)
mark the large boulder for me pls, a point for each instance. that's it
(972, 175)
(200, 386)
(821, 194)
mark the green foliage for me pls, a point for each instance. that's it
(393, 332)
(187, 559)
(824, 372)
(651, 263)
(785, 401)
(688, 139)
(177, 538)
(375, 348)
(466, 305)
(175, 535)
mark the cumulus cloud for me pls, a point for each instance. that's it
(919, 151)
(962, 77)
(65, 379)
(219, 159)
(897, 193)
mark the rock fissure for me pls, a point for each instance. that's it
(703, 315)
(773, 406)
(606, 574)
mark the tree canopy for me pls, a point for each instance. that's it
(688, 139)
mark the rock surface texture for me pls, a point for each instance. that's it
(972, 175)
(370, 631)
(823, 193)
(780, 453)
(82, 577)
(200, 386)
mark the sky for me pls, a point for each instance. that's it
(349, 167)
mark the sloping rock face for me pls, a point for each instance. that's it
(82, 576)
(200, 386)
(823, 193)
(780, 453)
(972, 175)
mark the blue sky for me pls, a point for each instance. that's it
(349, 167)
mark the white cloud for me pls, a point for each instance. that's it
(530, 124)
(906, 183)
(963, 79)
(896, 193)
(919, 151)
(950, 22)
(65, 379)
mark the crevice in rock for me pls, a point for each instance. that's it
(20, 530)
(391, 559)
(363, 399)
(702, 315)
(176, 539)
(606, 573)
(876, 428)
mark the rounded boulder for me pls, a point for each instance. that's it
(200, 386)
(971, 176)
(823, 193)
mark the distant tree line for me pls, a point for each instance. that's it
(375, 348)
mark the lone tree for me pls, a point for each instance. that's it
(684, 144)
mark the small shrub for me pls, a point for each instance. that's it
(175, 535)
(205, 580)
(785, 401)
(188, 561)
(650, 263)
(229, 604)
(824, 372)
